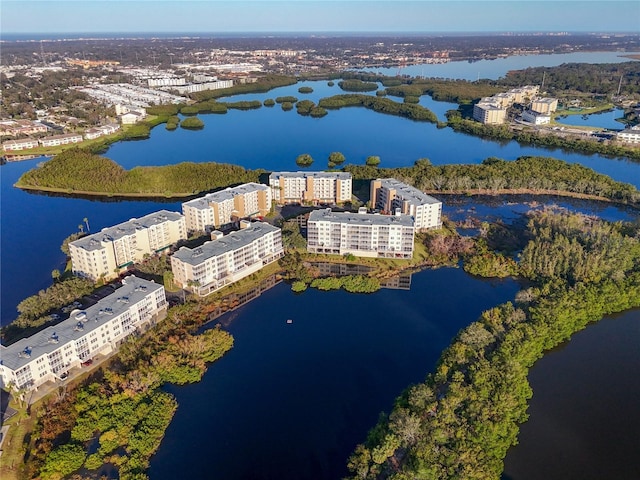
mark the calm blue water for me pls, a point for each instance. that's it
(498, 68)
(584, 417)
(602, 120)
(291, 401)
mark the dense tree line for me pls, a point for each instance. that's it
(356, 85)
(380, 105)
(192, 123)
(120, 416)
(264, 84)
(532, 174)
(462, 420)
(76, 170)
(540, 139)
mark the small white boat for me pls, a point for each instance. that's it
(289, 321)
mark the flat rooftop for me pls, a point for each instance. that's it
(408, 193)
(228, 243)
(326, 215)
(79, 323)
(109, 234)
(202, 203)
(302, 174)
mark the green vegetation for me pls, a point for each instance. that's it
(380, 105)
(351, 283)
(372, 161)
(269, 102)
(524, 175)
(243, 105)
(331, 84)
(172, 122)
(381, 93)
(355, 85)
(124, 408)
(462, 420)
(305, 90)
(79, 171)
(286, 106)
(304, 160)
(304, 107)
(411, 99)
(287, 99)
(298, 286)
(539, 138)
(192, 123)
(317, 112)
(335, 158)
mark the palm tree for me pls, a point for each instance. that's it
(86, 222)
(55, 274)
(81, 228)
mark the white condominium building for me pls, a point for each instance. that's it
(100, 329)
(360, 234)
(226, 260)
(113, 248)
(391, 195)
(310, 187)
(226, 206)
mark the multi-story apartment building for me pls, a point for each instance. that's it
(105, 253)
(360, 234)
(311, 187)
(629, 135)
(391, 196)
(17, 145)
(489, 113)
(21, 127)
(545, 105)
(61, 140)
(227, 259)
(100, 329)
(226, 206)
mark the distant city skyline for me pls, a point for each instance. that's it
(43, 17)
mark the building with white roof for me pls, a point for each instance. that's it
(105, 253)
(100, 329)
(227, 259)
(390, 196)
(360, 234)
(226, 206)
(311, 187)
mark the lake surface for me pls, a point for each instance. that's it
(291, 401)
(584, 417)
(498, 68)
(397, 335)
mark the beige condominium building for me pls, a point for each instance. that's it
(227, 259)
(226, 206)
(489, 113)
(360, 234)
(105, 253)
(544, 105)
(311, 187)
(48, 355)
(390, 196)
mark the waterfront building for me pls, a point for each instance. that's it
(97, 132)
(17, 145)
(227, 206)
(105, 253)
(360, 234)
(49, 355)
(536, 118)
(61, 140)
(544, 105)
(311, 187)
(629, 135)
(390, 196)
(228, 258)
(21, 127)
(489, 113)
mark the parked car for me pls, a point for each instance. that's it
(87, 362)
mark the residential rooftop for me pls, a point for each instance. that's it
(228, 243)
(338, 175)
(407, 192)
(326, 215)
(109, 234)
(202, 203)
(79, 323)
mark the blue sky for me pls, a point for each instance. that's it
(216, 16)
